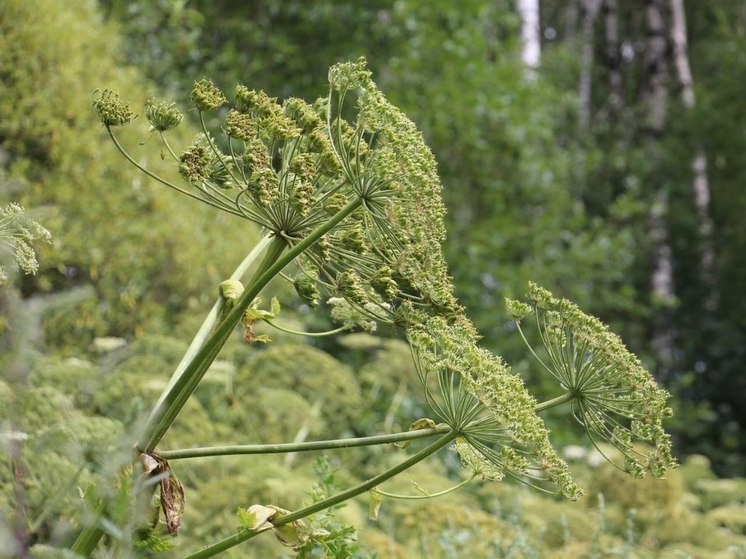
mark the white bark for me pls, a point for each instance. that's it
(656, 64)
(680, 46)
(662, 279)
(700, 180)
(528, 10)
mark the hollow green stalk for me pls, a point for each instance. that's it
(231, 450)
(175, 397)
(164, 415)
(245, 534)
(273, 263)
(212, 318)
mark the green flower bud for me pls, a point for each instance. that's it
(162, 116)
(206, 96)
(194, 164)
(335, 203)
(218, 173)
(230, 291)
(517, 309)
(322, 249)
(305, 287)
(303, 114)
(254, 102)
(349, 75)
(304, 166)
(280, 127)
(111, 110)
(256, 156)
(351, 288)
(19, 232)
(263, 187)
(353, 239)
(240, 126)
(383, 283)
(301, 194)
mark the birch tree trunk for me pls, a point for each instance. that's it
(590, 12)
(656, 99)
(612, 56)
(700, 180)
(656, 66)
(528, 11)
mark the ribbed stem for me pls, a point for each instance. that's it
(175, 397)
(231, 450)
(164, 415)
(211, 320)
(271, 266)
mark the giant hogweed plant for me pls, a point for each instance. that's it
(348, 196)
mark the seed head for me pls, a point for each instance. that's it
(161, 115)
(616, 399)
(111, 110)
(206, 95)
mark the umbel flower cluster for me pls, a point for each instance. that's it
(613, 397)
(18, 232)
(356, 166)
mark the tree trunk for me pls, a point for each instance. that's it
(590, 12)
(656, 99)
(612, 56)
(700, 180)
(528, 10)
(656, 67)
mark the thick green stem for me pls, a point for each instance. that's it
(245, 534)
(212, 318)
(175, 397)
(164, 415)
(88, 539)
(301, 447)
(170, 405)
(566, 397)
(273, 263)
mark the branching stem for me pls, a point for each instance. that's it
(566, 397)
(425, 495)
(244, 534)
(301, 447)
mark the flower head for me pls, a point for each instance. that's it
(476, 393)
(111, 110)
(18, 232)
(194, 163)
(240, 126)
(386, 162)
(206, 96)
(162, 116)
(614, 397)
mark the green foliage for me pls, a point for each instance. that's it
(54, 61)
(583, 207)
(310, 373)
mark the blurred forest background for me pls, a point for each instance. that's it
(594, 146)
